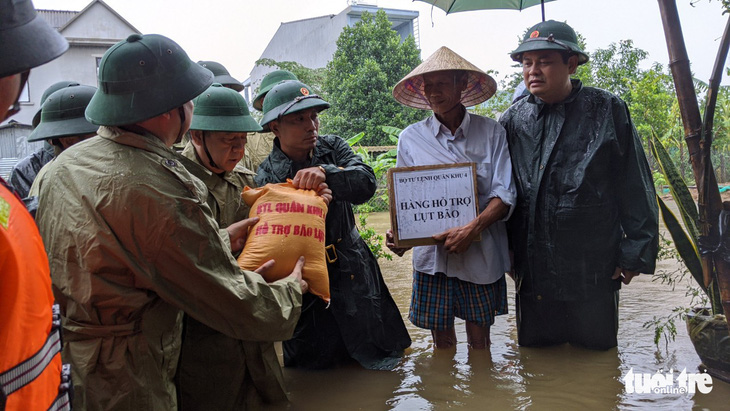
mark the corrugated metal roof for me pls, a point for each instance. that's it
(57, 18)
(6, 166)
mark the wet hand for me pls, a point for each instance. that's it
(324, 191)
(456, 240)
(624, 275)
(238, 232)
(297, 274)
(390, 243)
(309, 178)
(265, 267)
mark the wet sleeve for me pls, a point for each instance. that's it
(21, 178)
(350, 179)
(264, 174)
(638, 209)
(403, 154)
(191, 267)
(502, 184)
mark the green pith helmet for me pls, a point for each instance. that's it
(222, 109)
(550, 35)
(26, 40)
(50, 90)
(222, 75)
(289, 97)
(62, 114)
(143, 77)
(268, 82)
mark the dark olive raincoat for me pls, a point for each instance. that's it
(132, 243)
(585, 197)
(218, 372)
(258, 147)
(366, 318)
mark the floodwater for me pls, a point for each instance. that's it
(507, 376)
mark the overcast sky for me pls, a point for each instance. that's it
(236, 32)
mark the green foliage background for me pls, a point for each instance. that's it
(370, 60)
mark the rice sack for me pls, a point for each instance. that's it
(291, 224)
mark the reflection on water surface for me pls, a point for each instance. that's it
(509, 377)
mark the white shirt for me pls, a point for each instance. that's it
(482, 141)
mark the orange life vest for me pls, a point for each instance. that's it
(30, 359)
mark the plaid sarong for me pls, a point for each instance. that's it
(437, 299)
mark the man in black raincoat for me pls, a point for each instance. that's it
(362, 321)
(586, 216)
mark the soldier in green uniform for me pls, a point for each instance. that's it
(62, 123)
(260, 144)
(132, 242)
(586, 217)
(222, 76)
(26, 170)
(217, 371)
(362, 321)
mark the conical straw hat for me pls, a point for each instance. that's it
(479, 89)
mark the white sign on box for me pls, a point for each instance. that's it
(428, 200)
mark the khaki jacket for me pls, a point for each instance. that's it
(132, 244)
(224, 191)
(218, 372)
(258, 147)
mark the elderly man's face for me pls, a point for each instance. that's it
(226, 148)
(443, 89)
(298, 131)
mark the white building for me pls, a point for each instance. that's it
(312, 42)
(90, 32)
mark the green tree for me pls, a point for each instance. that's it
(370, 59)
(655, 112)
(614, 68)
(314, 78)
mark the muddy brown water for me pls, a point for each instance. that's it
(507, 376)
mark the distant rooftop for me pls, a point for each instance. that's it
(57, 18)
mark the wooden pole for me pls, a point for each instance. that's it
(721, 258)
(698, 143)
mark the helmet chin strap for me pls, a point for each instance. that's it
(205, 147)
(181, 132)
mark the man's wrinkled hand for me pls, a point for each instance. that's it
(309, 178)
(390, 243)
(265, 267)
(297, 274)
(238, 232)
(324, 191)
(456, 240)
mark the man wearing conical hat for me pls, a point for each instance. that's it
(586, 215)
(458, 277)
